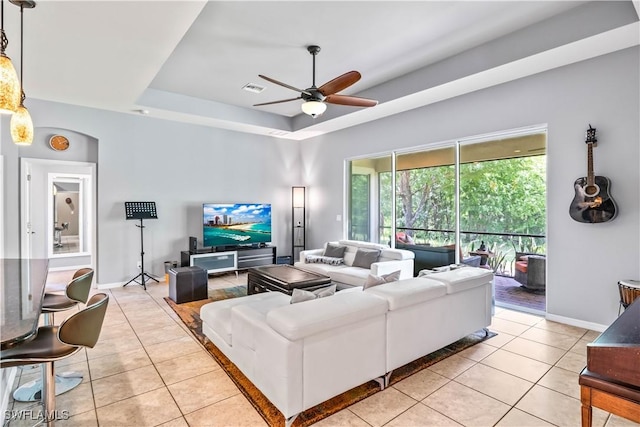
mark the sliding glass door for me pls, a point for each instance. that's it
(425, 197)
(503, 198)
(479, 201)
(369, 212)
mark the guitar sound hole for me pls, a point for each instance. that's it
(591, 190)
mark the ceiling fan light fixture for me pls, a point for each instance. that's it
(314, 108)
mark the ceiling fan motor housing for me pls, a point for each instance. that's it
(315, 95)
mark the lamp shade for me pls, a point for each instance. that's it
(297, 197)
(22, 127)
(314, 108)
(9, 86)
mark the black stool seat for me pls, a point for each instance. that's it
(56, 302)
(44, 347)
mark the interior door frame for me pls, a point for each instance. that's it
(27, 205)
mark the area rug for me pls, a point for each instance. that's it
(190, 314)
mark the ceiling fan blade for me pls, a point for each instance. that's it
(353, 101)
(339, 83)
(269, 79)
(277, 102)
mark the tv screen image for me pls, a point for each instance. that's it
(233, 224)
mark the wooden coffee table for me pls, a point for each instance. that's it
(283, 278)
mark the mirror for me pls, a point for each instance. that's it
(67, 216)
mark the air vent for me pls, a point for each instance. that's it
(252, 87)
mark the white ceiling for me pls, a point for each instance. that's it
(188, 60)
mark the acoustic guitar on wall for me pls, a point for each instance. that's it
(592, 202)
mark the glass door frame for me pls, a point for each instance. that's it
(457, 144)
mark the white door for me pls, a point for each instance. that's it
(26, 225)
(37, 215)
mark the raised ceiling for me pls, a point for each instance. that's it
(188, 60)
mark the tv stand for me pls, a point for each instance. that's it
(245, 257)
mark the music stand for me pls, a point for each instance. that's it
(141, 211)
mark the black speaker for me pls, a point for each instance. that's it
(193, 244)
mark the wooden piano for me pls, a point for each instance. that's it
(611, 380)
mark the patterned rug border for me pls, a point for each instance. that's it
(189, 313)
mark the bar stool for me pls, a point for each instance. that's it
(52, 343)
(629, 291)
(76, 291)
(62, 287)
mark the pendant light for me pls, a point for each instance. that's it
(9, 85)
(21, 123)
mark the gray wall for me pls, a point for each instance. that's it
(179, 166)
(585, 261)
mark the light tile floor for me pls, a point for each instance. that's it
(147, 370)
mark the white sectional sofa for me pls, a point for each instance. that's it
(390, 260)
(302, 354)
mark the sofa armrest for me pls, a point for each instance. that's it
(385, 267)
(303, 254)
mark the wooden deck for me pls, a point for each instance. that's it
(509, 291)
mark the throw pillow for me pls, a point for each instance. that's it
(314, 259)
(365, 257)
(374, 280)
(334, 251)
(300, 295)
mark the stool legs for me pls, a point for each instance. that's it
(49, 393)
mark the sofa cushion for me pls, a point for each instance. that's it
(324, 269)
(297, 321)
(409, 292)
(334, 251)
(464, 278)
(521, 266)
(365, 257)
(354, 276)
(373, 280)
(314, 259)
(300, 295)
(218, 314)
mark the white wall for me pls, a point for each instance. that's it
(585, 261)
(179, 166)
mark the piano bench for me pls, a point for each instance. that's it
(619, 399)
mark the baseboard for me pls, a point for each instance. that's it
(121, 284)
(576, 322)
(69, 267)
(555, 318)
(110, 285)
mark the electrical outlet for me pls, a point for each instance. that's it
(139, 265)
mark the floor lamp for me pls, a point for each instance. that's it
(298, 219)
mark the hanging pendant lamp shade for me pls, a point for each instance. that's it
(21, 123)
(22, 126)
(9, 84)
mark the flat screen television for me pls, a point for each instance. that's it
(236, 224)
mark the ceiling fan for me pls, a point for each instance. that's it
(316, 97)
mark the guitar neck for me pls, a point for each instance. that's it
(590, 175)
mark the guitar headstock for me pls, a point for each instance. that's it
(590, 136)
